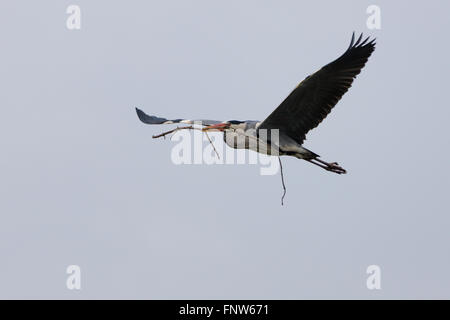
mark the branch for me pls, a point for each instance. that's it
(174, 130)
(212, 145)
(164, 134)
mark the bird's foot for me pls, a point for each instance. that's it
(334, 167)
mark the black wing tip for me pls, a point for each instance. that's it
(361, 43)
(145, 118)
(141, 115)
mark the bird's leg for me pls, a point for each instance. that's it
(329, 166)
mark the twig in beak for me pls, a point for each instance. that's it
(174, 130)
(188, 128)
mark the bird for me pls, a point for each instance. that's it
(302, 110)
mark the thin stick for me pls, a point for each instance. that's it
(188, 128)
(174, 130)
(212, 144)
(282, 181)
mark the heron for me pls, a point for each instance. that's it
(303, 109)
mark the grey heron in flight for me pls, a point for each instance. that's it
(305, 107)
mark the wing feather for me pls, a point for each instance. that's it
(312, 100)
(145, 118)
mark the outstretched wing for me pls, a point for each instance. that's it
(315, 96)
(145, 118)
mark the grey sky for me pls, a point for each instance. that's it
(83, 182)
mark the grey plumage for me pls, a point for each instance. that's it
(145, 118)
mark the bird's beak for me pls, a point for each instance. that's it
(218, 127)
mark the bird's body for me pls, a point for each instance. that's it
(283, 132)
(247, 136)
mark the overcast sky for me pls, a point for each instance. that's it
(83, 182)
